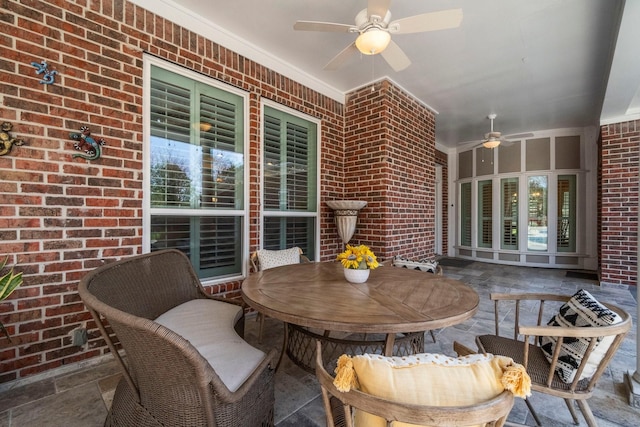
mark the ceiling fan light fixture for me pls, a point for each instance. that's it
(491, 143)
(373, 41)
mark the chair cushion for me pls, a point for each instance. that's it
(431, 379)
(582, 310)
(271, 259)
(426, 265)
(209, 326)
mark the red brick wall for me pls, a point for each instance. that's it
(59, 216)
(389, 162)
(619, 203)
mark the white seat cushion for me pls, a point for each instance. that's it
(208, 326)
(272, 259)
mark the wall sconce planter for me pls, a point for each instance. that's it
(346, 216)
(6, 140)
(86, 143)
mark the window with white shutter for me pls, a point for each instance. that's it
(196, 171)
(566, 238)
(509, 213)
(289, 170)
(485, 214)
(465, 214)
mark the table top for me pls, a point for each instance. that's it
(393, 300)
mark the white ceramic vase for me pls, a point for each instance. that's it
(356, 276)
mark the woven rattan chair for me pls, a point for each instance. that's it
(340, 405)
(166, 380)
(255, 267)
(543, 374)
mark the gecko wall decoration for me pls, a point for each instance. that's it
(6, 140)
(43, 68)
(86, 143)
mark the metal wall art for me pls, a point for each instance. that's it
(43, 68)
(6, 140)
(86, 143)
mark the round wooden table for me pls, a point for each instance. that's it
(395, 302)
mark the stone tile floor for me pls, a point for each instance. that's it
(81, 397)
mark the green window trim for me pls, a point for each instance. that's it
(290, 177)
(196, 171)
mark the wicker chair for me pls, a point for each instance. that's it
(255, 267)
(166, 380)
(339, 406)
(544, 377)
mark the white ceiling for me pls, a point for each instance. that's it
(537, 64)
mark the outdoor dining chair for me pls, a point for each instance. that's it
(358, 408)
(265, 259)
(566, 356)
(185, 362)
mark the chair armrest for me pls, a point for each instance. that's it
(528, 297)
(538, 298)
(576, 332)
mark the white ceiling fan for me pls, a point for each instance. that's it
(493, 139)
(374, 28)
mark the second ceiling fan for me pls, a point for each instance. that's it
(493, 139)
(375, 27)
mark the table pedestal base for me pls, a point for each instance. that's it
(301, 346)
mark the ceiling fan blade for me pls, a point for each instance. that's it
(323, 26)
(378, 7)
(396, 58)
(432, 21)
(519, 136)
(341, 58)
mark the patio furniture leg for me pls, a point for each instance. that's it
(260, 319)
(586, 411)
(533, 412)
(284, 345)
(572, 409)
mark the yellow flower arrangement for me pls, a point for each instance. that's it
(358, 258)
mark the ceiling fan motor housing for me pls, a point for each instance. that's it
(364, 21)
(492, 135)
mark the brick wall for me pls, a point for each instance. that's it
(60, 216)
(619, 203)
(389, 161)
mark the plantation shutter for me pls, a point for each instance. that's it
(485, 214)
